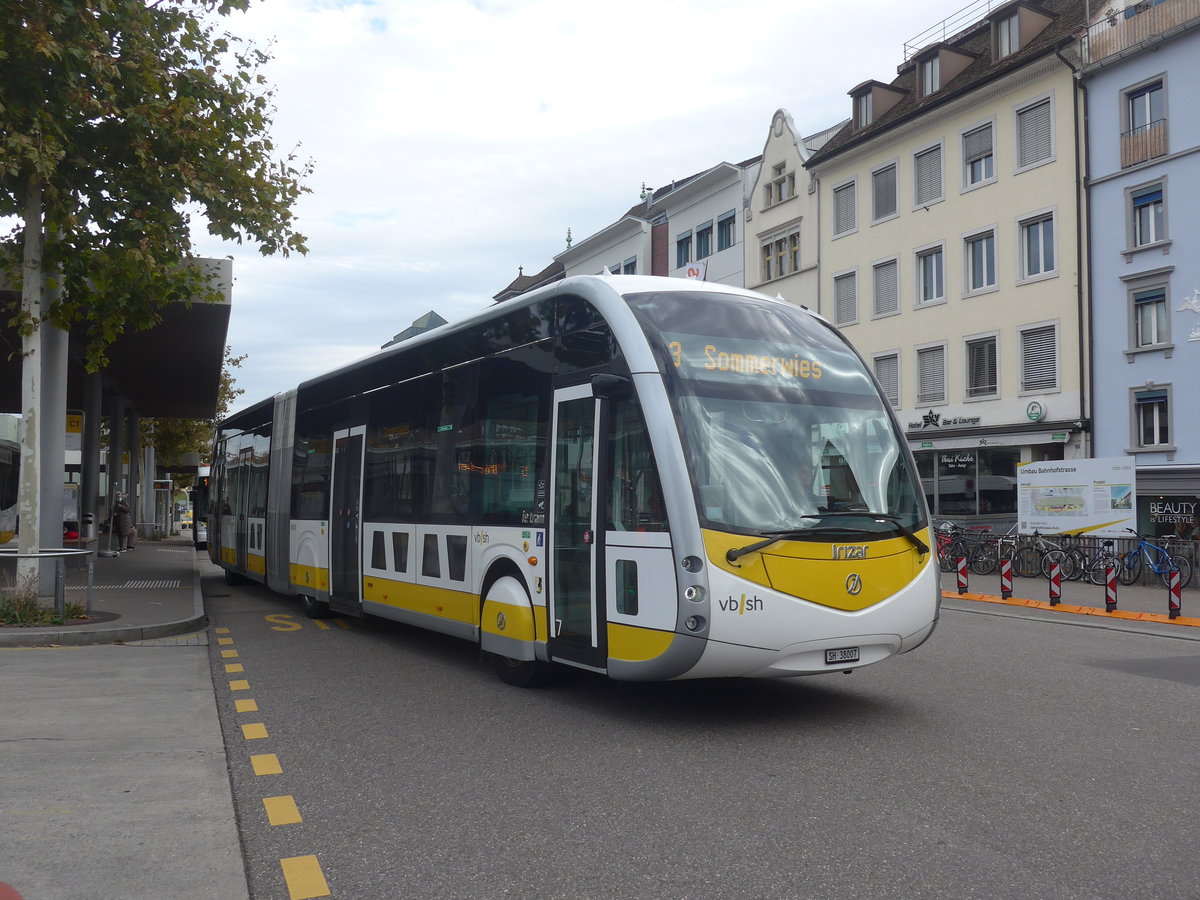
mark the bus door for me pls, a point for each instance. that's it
(577, 627)
(345, 526)
(241, 503)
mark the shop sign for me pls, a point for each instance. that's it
(933, 419)
(1173, 510)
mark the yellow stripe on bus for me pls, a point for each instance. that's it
(310, 576)
(632, 644)
(256, 563)
(457, 606)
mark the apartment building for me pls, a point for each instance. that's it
(951, 254)
(1143, 193)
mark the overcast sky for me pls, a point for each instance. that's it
(454, 141)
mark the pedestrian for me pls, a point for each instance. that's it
(122, 524)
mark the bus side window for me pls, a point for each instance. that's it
(635, 493)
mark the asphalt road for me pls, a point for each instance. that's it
(1009, 757)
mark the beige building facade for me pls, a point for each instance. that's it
(950, 253)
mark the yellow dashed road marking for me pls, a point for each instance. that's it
(224, 642)
(221, 630)
(324, 626)
(282, 810)
(266, 764)
(245, 705)
(229, 654)
(234, 668)
(241, 685)
(341, 624)
(304, 878)
(254, 731)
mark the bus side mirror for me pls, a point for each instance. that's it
(612, 387)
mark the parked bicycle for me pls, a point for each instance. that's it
(953, 544)
(1146, 554)
(1097, 563)
(1036, 557)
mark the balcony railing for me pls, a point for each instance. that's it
(1143, 143)
(1135, 24)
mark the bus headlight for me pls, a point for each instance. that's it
(693, 592)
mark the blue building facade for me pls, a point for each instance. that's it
(1142, 113)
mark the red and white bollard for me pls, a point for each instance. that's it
(962, 574)
(1110, 589)
(1006, 578)
(1173, 599)
(1055, 583)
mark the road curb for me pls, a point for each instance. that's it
(81, 636)
(1075, 610)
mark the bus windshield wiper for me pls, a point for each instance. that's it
(771, 537)
(922, 547)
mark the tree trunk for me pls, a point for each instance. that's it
(29, 486)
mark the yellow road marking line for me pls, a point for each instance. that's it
(234, 668)
(266, 764)
(224, 642)
(342, 624)
(241, 685)
(229, 654)
(304, 878)
(245, 706)
(253, 731)
(282, 810)
(221, 630)
(324, 626)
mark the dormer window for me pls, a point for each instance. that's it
(931, 75)
(1008, 36)
(862, 111)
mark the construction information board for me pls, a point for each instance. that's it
(1077, 496)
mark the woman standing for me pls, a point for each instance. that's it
(122, 524)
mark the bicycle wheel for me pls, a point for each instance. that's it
(1066, 565)
(947, 554)
(1097, 569)
(1027, 562)
(985, 558)
(1130, 569)
(1184, 565)
(1079, 561)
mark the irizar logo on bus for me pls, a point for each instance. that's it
(849, 551)
(741, 606)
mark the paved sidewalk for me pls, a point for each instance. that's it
(115, 781)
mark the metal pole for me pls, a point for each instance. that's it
(60, 585)
(1173, 598)
(1055, 583)
(1006, 578)
(1110, 588)
(962, 575)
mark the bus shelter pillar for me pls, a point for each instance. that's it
(53, 449)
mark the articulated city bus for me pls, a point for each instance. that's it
(646, 477)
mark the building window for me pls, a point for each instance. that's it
(1035, 137)
(781, 255)
(630, 266)
(782, 185)
(887, 288)
(981, 367)
(1145, 105)
(931, 375)
(1153, 422)
(1039, 359)
(683, 250)
(978, 161)
(725, 231)
(1008, 36)
(704, 236)
(930, 283)
(981, 261)
(844, 218)
(928, 176)
(1149, 222)
(931, 75)
(887, 370)
(1037, 247)
(845, 299)
(862, 110)
(883, 193)
(1145, 135)
(1150, 318)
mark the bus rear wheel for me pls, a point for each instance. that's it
(314, 608)
(520, 672)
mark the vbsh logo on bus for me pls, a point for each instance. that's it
(741, 605)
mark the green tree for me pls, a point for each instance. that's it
(119, 119)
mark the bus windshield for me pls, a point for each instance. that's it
(783, 428)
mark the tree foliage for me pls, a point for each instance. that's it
(128, 116)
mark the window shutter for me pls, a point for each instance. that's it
(884, 184)
(843, 209)
(981, 367)
(1038, 357)
(977, 144)
(1034, 134)
(929, 176)
(887, 299)
(931, 375)
(887, 370)
(845, 305)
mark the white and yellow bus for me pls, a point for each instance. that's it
(646, 477)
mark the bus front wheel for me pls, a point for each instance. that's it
(314, 608)
(520, 672)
